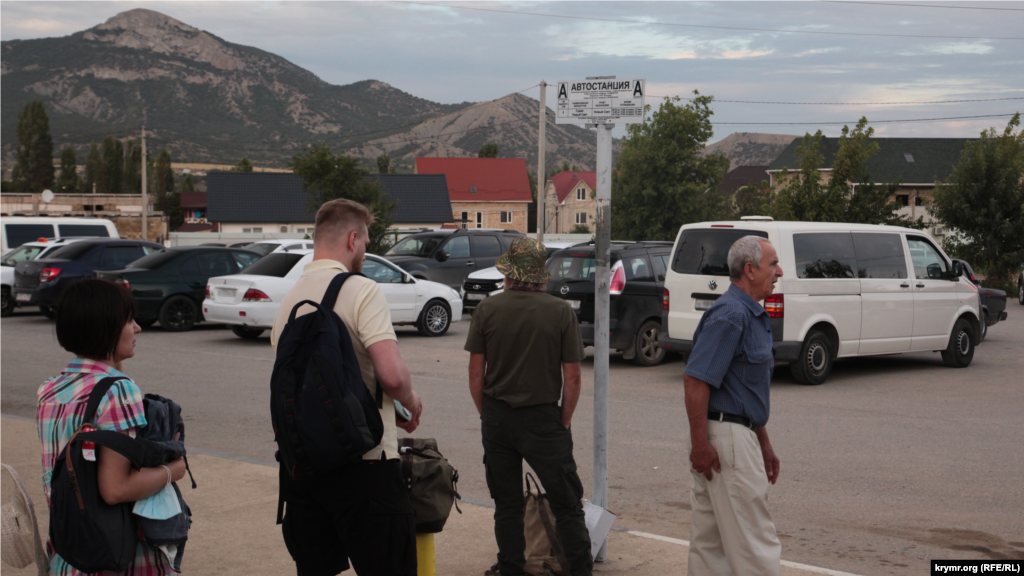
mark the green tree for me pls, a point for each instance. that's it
(93, 169)
(750, 200)
(187, 184)
(113, 166)
(580, 229)
(384, 165)
(488, 150)
(35, 148)
(849, 194)
(132, 179)
(983, 201)
(68, 181)
(163, 175)
(326, 177)
(662, 180)
(243, 165)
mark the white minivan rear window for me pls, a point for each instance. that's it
(704, 251)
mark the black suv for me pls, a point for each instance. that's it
(638, 278)
(448, 256)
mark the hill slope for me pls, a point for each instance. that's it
(751, 148)
(208, 100)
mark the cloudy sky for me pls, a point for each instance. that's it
(852, 56)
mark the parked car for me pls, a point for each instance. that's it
(448, 256)
(993, 302)
(638, 274)
(27, 251)
(264, 247)
(40, 282)
(17, 230)
(169, 285)
(483, 283)
(846, 290)
(249, 301)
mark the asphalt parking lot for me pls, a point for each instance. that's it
(894, 461)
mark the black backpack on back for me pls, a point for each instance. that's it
(88, 533)
(324, 416)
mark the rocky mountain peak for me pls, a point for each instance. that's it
(143, 29)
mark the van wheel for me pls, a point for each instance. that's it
(814, 364)
(960, 351)
(7, 308)
(647, 350)
(247, 332)
(435, 319)
(49, 311)
(178, 314)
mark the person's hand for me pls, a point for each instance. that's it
(177, 469)
(416, 409)
(771, 462)
(704, 459)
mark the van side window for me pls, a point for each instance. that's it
(928, 263)
(825, 255)
(97, 230)
(18, 234)
(880, 256)
(704, 250)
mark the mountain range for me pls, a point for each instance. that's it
(209, 100)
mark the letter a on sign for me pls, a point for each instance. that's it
(637, 91)
(561, 90)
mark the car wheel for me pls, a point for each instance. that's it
(1020, 292)
(48, 311)
(145, 323)
(247, 332)
(814, 365)
(984, 325)
(178, 314)
(7, 308)
(435, 318)
(960, 351)
(648, 351)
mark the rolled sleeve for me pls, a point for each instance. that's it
(475, 341)
(121, 408)
(572, 341)
(713, 350)
(374, 316)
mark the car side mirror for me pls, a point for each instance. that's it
(442, 255)
(408, 279)
(957, 272)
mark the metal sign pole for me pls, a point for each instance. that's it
(601, 320)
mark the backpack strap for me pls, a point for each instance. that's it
(331, 295)
(96, 396)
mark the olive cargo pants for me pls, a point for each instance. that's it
(536, 434)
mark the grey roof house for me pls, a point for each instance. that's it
(276, 202)
(916, 163)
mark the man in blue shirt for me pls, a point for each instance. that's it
(727, 381)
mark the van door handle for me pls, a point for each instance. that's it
(904, 285)
(920, 285)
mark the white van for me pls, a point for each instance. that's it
(846, 290)
(16, 230)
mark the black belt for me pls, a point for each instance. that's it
(726, 417)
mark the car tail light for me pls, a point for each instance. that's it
(618, 279)
(775, 305)
(127, 285)
(664, 300)
(254, 295)
(207, 290)
(48, 273)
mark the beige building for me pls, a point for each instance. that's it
(124, 210)
(484, 192)
(570, 200)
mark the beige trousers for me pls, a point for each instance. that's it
(731, 530)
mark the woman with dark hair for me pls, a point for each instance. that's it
(96, 323)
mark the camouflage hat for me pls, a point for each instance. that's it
(524, 261)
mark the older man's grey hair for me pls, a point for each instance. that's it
(746, 249)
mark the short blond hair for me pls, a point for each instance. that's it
(338, 218)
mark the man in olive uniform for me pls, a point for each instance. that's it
(526, 349)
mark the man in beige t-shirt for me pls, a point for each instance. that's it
(328, 517)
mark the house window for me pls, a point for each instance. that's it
(472, 189)
(908, 157)
(258, 230)
(246, 230)
(465, 220)
(581, 193)
(903, 199)
(918, 201)
(479, 219)
(506, 217)
(581, 217)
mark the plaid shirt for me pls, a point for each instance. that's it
(62, 402)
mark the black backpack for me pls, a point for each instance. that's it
(88, 533)
(324, 416)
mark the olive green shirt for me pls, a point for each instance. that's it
(525, 338)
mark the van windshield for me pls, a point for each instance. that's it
(704, 251)
(415, 246)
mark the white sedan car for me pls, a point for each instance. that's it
(248, 301)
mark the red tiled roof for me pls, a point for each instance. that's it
(565, 182)
(193, 199)
(495, 179)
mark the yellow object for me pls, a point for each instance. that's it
(425, 555)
